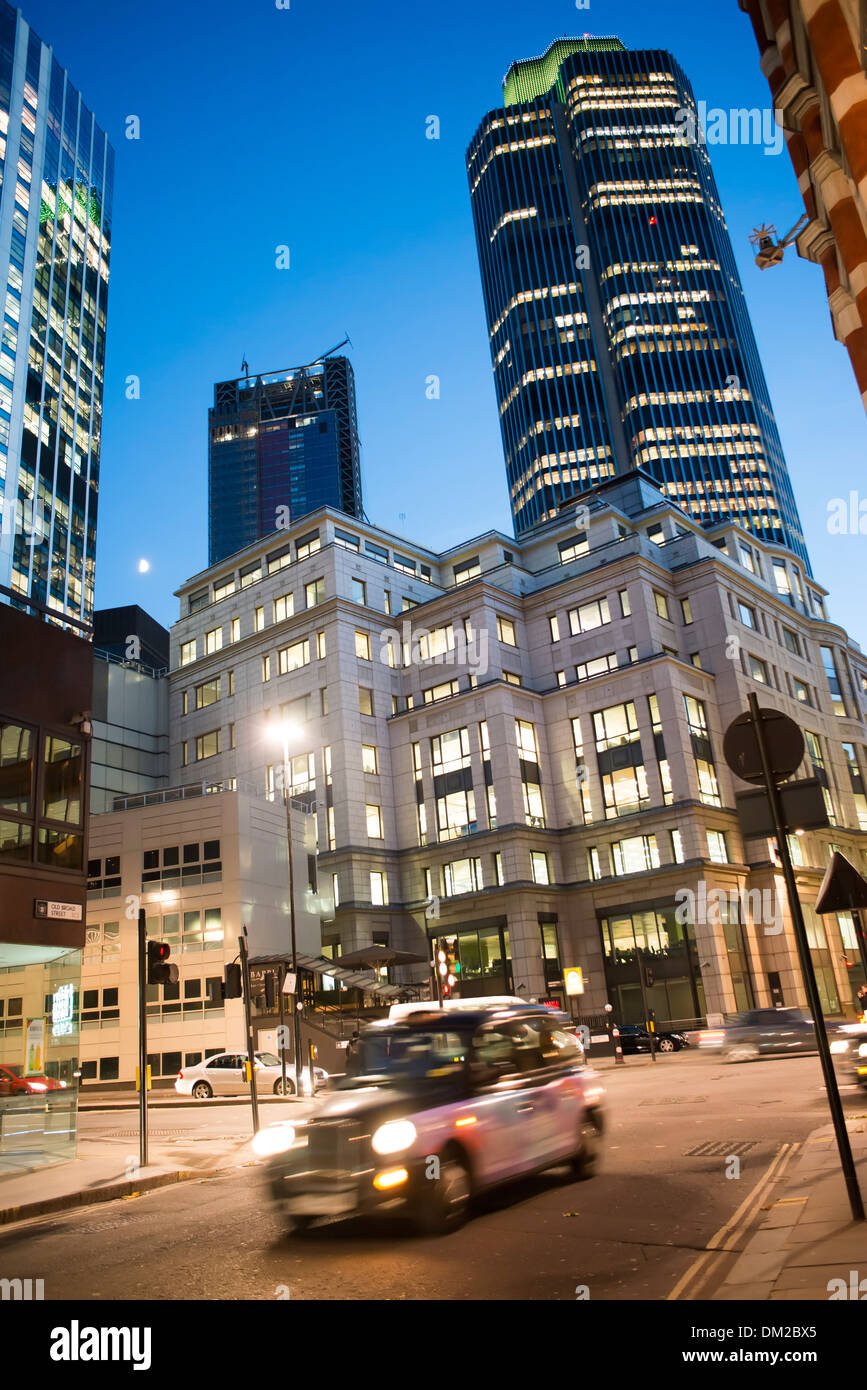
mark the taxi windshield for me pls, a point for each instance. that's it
(409, 1055)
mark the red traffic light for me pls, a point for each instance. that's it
(158, 972)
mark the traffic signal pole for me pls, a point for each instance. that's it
(248, 1017)
(437, 963)
(844, 1148)
(282, 1032)
(647, 1019)
(142, 1040)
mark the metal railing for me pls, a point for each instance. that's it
(185, 792)
(155, 671)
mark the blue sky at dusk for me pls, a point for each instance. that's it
(262, 127)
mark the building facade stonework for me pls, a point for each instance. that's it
(518, 744)
(206, 864)
(814, 56)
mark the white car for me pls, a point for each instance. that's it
(226, 1075)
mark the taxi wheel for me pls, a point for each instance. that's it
(298, 1225)
(442, 1206)
(742, 1052)
(585, 1161)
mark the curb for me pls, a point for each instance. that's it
(213, 1103)
(93, 1196)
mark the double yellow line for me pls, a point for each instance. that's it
(734, 1228)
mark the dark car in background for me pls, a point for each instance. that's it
(755, 1033)
(440, 1105)
(634, 1038)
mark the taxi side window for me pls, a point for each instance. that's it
(559, 1048)
(527, 1043)
(492, 1052)
(507, 1049)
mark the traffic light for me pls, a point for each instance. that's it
(159, 972)
(450, 967)
(232, 988)
(648, 977)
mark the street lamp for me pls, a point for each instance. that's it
(283, 732)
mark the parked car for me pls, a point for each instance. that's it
(634, 1038)
(226, 1075)
(758, 1033)
(440, 1106)
(11, 1084)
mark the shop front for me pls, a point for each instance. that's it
(665, 949)
(481, 950)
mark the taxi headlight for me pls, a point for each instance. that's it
(839, 1045)
(276, 1139)
(862, 1050)
(394, 1137)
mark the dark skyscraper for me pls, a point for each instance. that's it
(619, 333)
(280, 445)
(57, 171)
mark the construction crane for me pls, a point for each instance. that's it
(770, 252)
(322, 356)
(301, 380)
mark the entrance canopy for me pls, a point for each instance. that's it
(321, 965)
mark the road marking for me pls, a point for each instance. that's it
(743, 1216)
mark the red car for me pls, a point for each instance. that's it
(12, 1085)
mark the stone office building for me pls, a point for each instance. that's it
(517, 744)
(205, 862)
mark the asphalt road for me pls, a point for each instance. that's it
(629, 1233)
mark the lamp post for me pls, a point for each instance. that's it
(284, 732)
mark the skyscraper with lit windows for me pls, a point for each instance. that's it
(57, 172)
(618, 328)
(280, 445)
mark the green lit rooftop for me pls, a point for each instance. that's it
(533, 77)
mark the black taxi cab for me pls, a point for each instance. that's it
(440, 1105)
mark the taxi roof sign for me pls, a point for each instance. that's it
(573, 978)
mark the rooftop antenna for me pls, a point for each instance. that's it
(245, 366)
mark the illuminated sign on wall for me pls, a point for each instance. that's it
(62, 1010)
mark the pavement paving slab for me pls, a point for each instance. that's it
(808, 1232)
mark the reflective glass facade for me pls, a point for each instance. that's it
(40, 1022)
(618, 328)
(280, 446)
(57, 171)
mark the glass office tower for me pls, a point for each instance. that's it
(279, 446)
(618, 328)
(57, 171)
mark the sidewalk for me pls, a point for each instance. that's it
(107, 1168)
(807, 1237)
